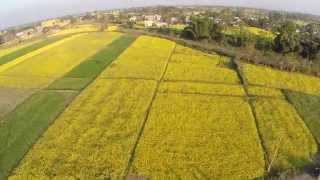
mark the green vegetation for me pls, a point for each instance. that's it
(26, 50)
(22, 127)
(287, 140)
(83, 74)
(308, 106)
(67, 83)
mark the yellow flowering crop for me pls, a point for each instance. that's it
(93, 138)
(258, 75)
(53, 63)
(191, 65)
(7, 50)
(288, 142)
(145, 58)
(77, 29)
(202, 88)
(199, 137)
(264, 91)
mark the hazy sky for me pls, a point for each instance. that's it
(15, 12)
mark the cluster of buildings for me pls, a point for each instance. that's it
(29, 32)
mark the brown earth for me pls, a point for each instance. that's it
(10, 98)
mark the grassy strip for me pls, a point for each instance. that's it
(23, 126)
(308, 107)
(11, 56)
(83, 74)
(26, 123)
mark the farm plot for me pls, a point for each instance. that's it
(260, 91)
(199, 67)
(21, 128)
(7, 50)
(77, 29)
(102, 124)
(308, 107)
(10, 98)
(186, 138)
(202, 88)
(32, 110)
(52, 64)
(287, 140)
(146, 58)
(82, 75)
(27, 49)
(258, 75)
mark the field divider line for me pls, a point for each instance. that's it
(43, 89)
(133, 152)
(220, 95)
(200, 82)
(128, 78)
(245, 84)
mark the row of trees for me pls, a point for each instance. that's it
(289, 37)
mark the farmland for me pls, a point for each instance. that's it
(106, 105)
(30, 119)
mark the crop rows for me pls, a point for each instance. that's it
(22, 127)
(308, 108)
(288, 142)
(27, 49)
(258, 75)
(102, 123)
(144, 59)
(186, 138)
(41, 70)
(164, 111)
(189, 65)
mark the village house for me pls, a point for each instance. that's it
(152, 20)
(55, 23)
(25, 34)
(133, 19)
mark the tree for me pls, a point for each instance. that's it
(310, 41)
(217, 32)
(287, 39)
(103, 20)
(2, 40)
(199, 28)
(263, 44)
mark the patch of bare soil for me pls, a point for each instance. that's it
(10, 98)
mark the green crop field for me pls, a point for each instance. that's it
(107, 105)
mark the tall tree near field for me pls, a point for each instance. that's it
(199, 28)
(287, 39)
(310, 41)
(2, 39)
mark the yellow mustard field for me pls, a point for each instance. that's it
(196, 137)
(199, 67)
(264, 92)
(202, 88)
(146, 58)
(77, 29)
(258, 75)
(7, 50)
(52, 63)
(164, 111)
(93, 138)
(288, 142)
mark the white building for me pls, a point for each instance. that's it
(148, 23)
(155, 17)
(133, 19)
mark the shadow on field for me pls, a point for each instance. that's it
(309, 171)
